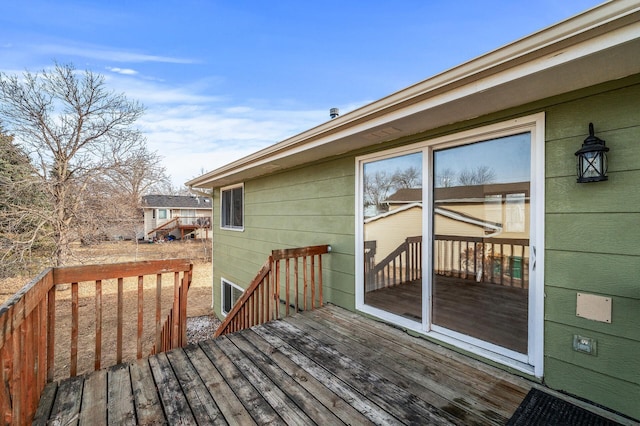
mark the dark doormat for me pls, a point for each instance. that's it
(540, 408)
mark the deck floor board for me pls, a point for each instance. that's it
(327, 366)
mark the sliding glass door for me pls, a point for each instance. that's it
(447, 231)
(481, 195)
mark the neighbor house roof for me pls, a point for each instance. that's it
(405, 195)
(596, 46)
(176, 201)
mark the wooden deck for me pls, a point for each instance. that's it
(327, 366)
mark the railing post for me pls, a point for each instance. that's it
(73, 368)
(51, 332)
(97, 358)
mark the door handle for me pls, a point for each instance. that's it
(533, 258)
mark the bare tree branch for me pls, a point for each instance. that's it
(71, 126)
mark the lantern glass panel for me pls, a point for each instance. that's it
(592, 164)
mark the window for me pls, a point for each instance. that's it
(230, 294)
(446, 236)
(232, 208)
(162, 213)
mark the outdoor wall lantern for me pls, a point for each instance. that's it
(592, 159)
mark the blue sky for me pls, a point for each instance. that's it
(222, 79)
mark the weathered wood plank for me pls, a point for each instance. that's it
(359, 401)
(204, 408)
(51, 332)
(68, 274)
(227, 401)
(158, 344)
(175, 404)
(120, 408)
(252, 400)
(73, 368)
(45, 406)
(440, 393)
(66, 407)
(94, 398)
(294, 389)
(391, 397)
(140, 317)
(444, 361)
(326, 366)
(145, 395)
(120, 320)
(97, 356)
(440, 369)
(282, 404)
(36, 290)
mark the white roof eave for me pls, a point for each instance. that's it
(596, 46)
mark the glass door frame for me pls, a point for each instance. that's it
(531, 362)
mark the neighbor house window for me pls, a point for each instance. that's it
(162, 213)
(230, 295)
(232, 207)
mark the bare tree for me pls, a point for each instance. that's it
(446, 178)
(478, 176)
(377, 187)
(72, 127)
(407, 178)
(134, 174)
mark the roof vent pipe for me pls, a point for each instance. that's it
(334, 112)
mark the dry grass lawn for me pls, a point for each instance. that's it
(199, 300)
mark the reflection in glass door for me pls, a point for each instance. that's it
(392, 229)
(481, 240)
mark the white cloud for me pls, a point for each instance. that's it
(124, 71)
(196, 138)
(194, 131)
(105, 54)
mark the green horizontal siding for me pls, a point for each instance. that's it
(572, 378)
(611, 233)
(302, 207)
(595, 198)
(592, 234)
(575, 271)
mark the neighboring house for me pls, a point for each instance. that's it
(176, 216)
(567, 311)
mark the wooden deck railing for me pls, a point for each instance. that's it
(190, 222)
(263, 299)
(503, 261)
(402, 265)
(28, 325)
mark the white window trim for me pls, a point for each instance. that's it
(531, 363)
(232, 228)
(224, 281)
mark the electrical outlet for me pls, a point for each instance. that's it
(585, 345)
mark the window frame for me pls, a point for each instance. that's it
(224, 282)
(166, 214)
(223, 190)
(535, 124)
